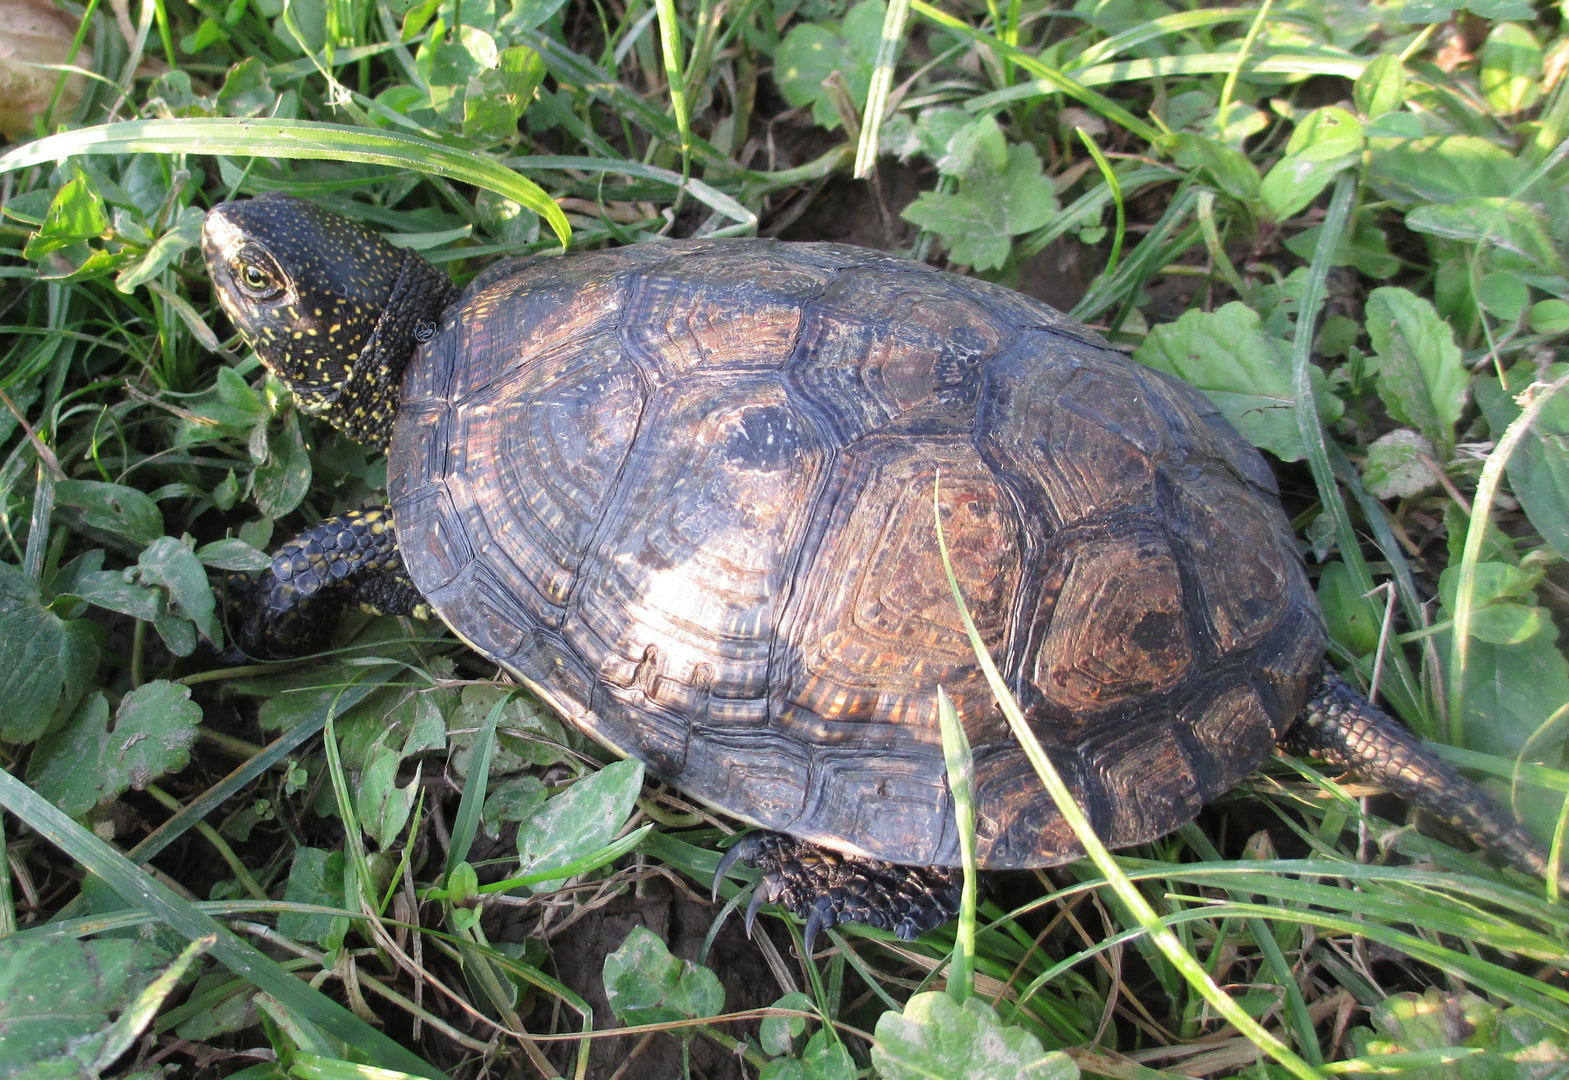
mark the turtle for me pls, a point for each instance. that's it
(683, 492)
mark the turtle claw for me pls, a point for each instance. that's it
(821, 918)
(752, 905)
(726, 861)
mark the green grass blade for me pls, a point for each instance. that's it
(1046, 76)
(1481, 511)
(704, 193)
(1125, 891)
(961, 774)
(1115, 188)
(141, 890)
(470, 808)
(888, 47)
(670, 50)
(292, 139)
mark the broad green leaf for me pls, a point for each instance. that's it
(233, 553)
(1230, 169)
(110, 591)
(823, 1058)
(776, 1034)
(1295, 181)
(282, 481)
(382, 806)
(934, 1039)
(112, 508)
(1421, 376)
(169, 563)
(580, 820)
(1503, 294)
(45, 661)
(1244, 371)
(1364, 247)
(86, 762)
(1326, 134)
(1397, 465)
(1506, 223)
(1539, 468)
(1507, 1044)
(1353, 619)
(1550, 317)
(644, 984)
(811, 52)
(496, 98)
(1511, 690)
(976, 147)
(1444, 168)
(184, 234)
(516, 799)
(1511, 69)
(527, 14)
(1501, 9)
(76, 214)
(246, 90)
(989, 207)
(58, 999)
(1381, 88)
(315, 877)
(1495, 617)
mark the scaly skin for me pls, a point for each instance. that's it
(1341, 727)
(351, 558)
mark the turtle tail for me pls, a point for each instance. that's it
(1340, 726)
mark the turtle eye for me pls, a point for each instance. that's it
(257, 278)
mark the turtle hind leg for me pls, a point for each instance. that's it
(349, 559)
(1342, 727)
(825, 888)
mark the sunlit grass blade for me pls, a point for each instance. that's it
(961, 776)
(1115, 188)
(139, 889)
(135, 1019)
(1481, 511)
(1123, 71)
(292, 139)
(471, 807)
(1047, 76)
(670, 50)
(1175, 23)
(704, 193)
(888, 47)
(1125, 891)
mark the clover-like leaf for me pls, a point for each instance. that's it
(315, 877)
(811, 52)
(1243, 370)
(58, 997)
(1421, 376)
(936, 1039)
(169, 563)
(384, 807)
(86, 762)
(1508, 1044)
(644, 984)
(45, 661)
(580, 820)
(990, 206)
(1398, 466)
(1511, 72)
(283, 479)
(1353, 620)
(111, 508)
(1539, 468)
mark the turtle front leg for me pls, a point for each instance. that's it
(351, 558)
(1342, 727)
(825, 888)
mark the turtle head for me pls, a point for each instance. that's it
(330, 307)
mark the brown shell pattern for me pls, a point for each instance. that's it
(685, 493)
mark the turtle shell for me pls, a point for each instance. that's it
(684, 492)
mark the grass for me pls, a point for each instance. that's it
(1347, 226)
